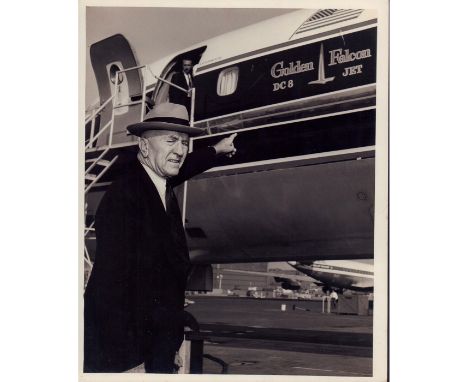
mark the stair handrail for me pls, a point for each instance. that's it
(101, 131)
(95, 162)
(92, 137)
(97, 111)
(166, 81)
(89, 228)
(87, 258)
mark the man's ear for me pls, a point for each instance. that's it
(143, 145)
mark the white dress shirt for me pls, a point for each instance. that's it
(188, 79)
(159, 183)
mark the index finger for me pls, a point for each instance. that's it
(232, 136)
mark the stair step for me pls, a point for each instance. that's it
(103, 162)
(90, 176)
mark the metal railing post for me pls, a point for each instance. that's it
(192, 107)
(326, 298)
(91, 133)
(111, 132)
(90, 143)
(143, 94)
(92, 118)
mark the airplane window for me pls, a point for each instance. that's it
(113, 72)
(227, 81)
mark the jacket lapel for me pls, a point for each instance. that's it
(175, 246)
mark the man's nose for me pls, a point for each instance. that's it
(179, 148)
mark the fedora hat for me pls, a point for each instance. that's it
(165, 116)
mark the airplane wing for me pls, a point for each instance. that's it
(275, 275)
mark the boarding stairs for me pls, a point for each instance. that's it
(97, 162)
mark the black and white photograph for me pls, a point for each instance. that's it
(235, 203)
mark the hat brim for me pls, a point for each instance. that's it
(139, 128)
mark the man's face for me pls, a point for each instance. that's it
(187, 66)
(166, 151)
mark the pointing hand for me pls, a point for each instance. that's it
(226, 146)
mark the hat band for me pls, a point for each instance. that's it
(178, 121)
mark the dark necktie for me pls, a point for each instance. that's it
(171, 200)
(176, 228)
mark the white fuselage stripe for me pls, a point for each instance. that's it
(286, 103)
(288, 122)
(293, 159)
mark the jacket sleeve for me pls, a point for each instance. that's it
(195, 163)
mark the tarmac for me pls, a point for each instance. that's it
(256, 337)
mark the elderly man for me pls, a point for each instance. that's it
(134, 301)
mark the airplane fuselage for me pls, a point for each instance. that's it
(339, 274)
(301, 186)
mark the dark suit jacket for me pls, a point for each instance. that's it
(135, 270)
(176, 95)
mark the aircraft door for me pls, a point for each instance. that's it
(161, 92)
(107, 58)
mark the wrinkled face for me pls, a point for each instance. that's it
(187, 66)
(164, 151)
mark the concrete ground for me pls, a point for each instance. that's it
(255, 337)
